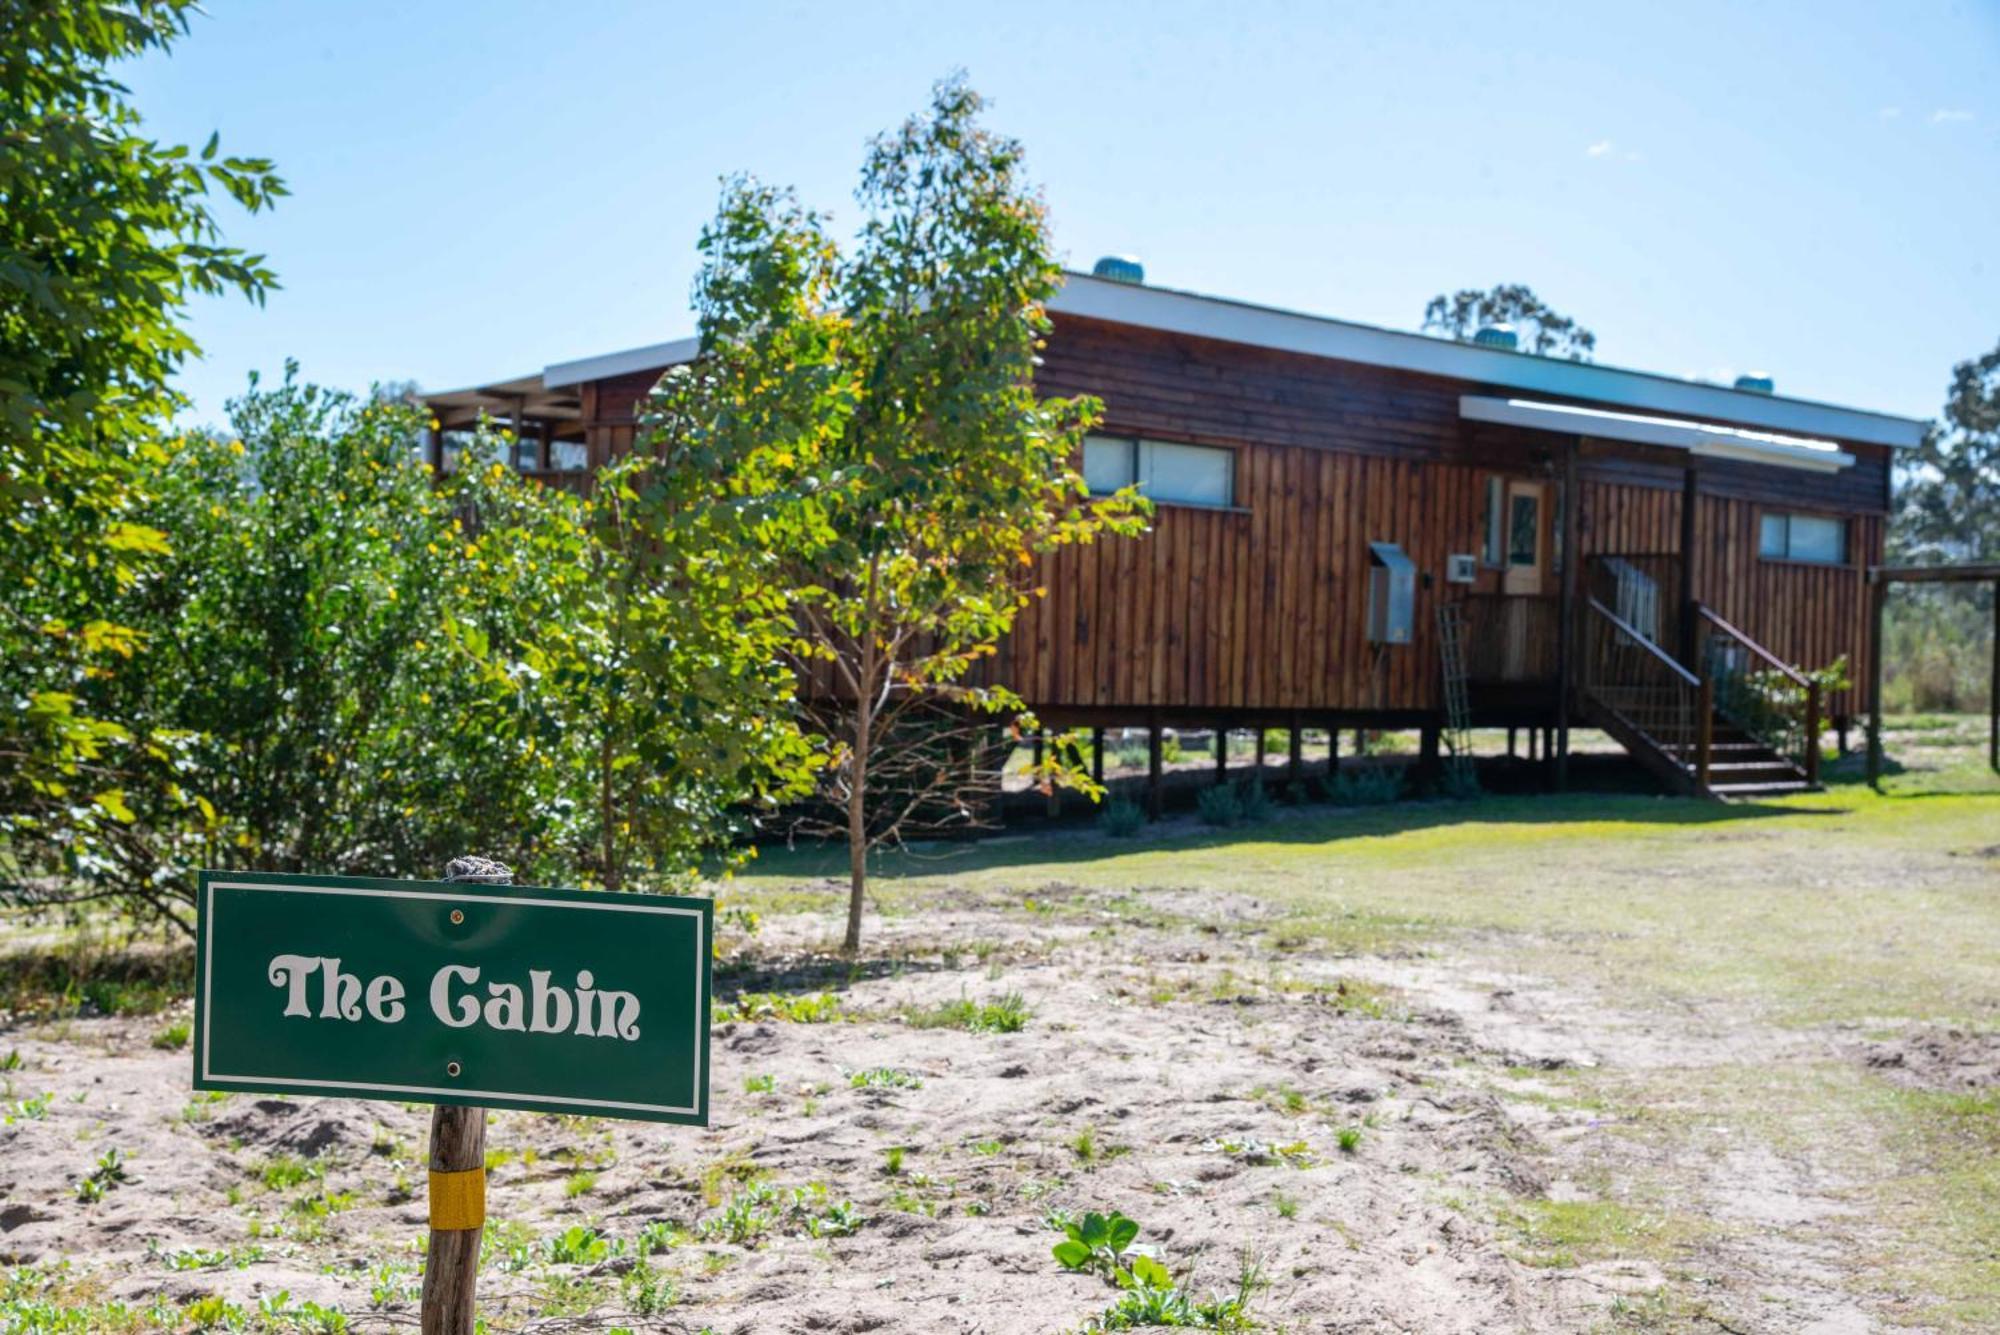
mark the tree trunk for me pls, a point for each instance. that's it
(857, 803)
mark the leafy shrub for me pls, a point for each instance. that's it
(1219, 806)
(1366, 785)
(174, 1036)
(1254, 802)
(1460, 781)
(885, 1077)
(1121, 819)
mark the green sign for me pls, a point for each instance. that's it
(503, 996)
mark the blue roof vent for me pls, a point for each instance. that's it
(1500, 336)
(1757, 382)
(1120, 269)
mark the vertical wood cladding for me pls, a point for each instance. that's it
(1263, 606)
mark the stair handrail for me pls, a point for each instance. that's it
(1796, 737)
(1666, 659)
(1642, 684)
(1771, 660)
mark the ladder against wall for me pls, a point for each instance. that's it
(1457, 707)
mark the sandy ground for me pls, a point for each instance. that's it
(1180, 1065)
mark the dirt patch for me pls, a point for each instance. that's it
(1248, 1111)
(1949, 1060)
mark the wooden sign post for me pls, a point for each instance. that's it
(457, 1180)
(468, 993)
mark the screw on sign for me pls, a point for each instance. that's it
(466, 993)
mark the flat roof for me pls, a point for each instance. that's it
(1196, 314)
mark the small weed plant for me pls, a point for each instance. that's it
(1006, 1014)
(107, 1177)
(814, 1008)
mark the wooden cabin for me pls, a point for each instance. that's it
(1363, 527)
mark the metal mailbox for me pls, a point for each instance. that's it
(1392, 594)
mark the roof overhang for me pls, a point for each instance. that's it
(654, 357)
(1218, 318)
(524, 396)
(1317, 336)
(1703, 438)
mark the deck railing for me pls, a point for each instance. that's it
(1761, 694)
(1643, 589)
(1627, 673)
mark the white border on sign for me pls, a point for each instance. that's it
(208, 991)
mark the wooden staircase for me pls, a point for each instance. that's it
(1682, 726)
(1741, 767)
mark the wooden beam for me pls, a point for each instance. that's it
(1097, 756)
(1572, 560)
(1690, 510)
(1221, 754)
(1296, 762)
(1933, 574)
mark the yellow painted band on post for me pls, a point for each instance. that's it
(458, 1200)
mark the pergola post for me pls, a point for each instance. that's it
(1153, 778)
(1879, 579)
(1878, 590)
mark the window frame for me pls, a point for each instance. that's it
(1136, 468)
(1844, 524)
(1493, 538)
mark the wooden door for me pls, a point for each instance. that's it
(1525, 538)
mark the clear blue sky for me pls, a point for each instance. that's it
(1811, 189)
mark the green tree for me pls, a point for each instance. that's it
(1948, 497)
(293, 695)
(1939, 636)
(1542, 331)
(866, 433)
(636, 666)
(105, 235)
(353, 667)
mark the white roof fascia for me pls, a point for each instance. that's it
(1703, 438)
(655, 357)
(1289, 331)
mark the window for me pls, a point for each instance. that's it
(1184, 474)
(1524, 529)
(1795, 537)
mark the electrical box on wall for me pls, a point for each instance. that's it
(1392, 594)
(1461, 568)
